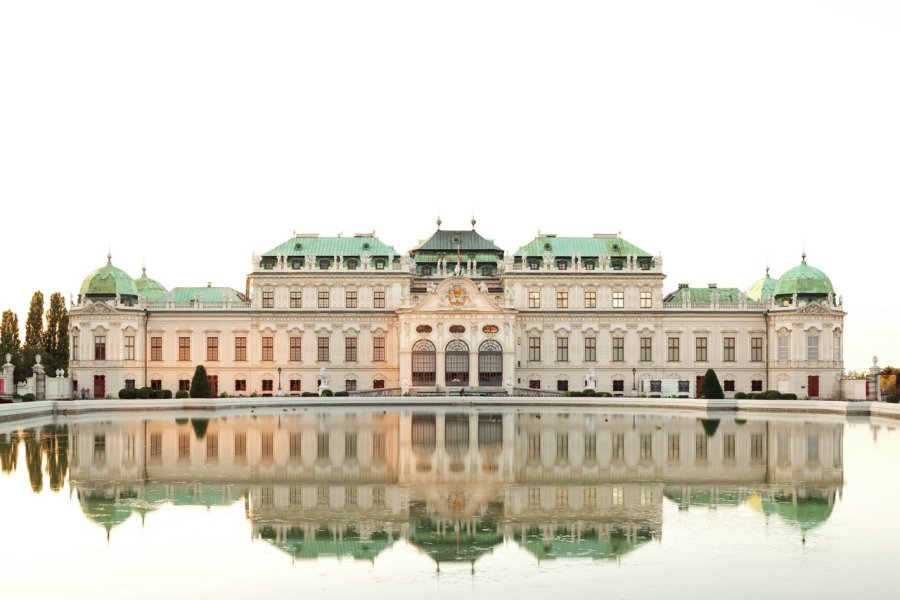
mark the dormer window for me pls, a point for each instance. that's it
(426, 270)
(351, 265)
(488, 271)
(589, 265)
(561, 265)
(534, 265)
(379, 265)
(296, 264)
(366, 246)
(617, 265)
(298, 246)
(645, 265)
(324, 264)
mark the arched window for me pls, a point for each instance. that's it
(490, 364)
(424, 434)
(423, 363)
(456, 434)
(456, 363)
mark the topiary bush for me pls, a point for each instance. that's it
(589, 392)
(787, 396)
(128, 393)
(200, 383)
(740, 396)
(144, 393)
(165, 394)
(28, 398)
(342, 394)
(892, 398)
(182, 394)
(711, 389)
(604, 395)
(309, 394)
(223, 395)
(327, 393)
(771, 395)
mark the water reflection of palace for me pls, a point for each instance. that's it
(455, 483)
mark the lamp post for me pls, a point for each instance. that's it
(633, 382)
(280, 391)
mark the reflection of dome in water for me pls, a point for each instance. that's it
(588, 544)
(309, 543)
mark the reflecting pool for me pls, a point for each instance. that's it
(448, 502)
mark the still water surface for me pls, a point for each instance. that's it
(449, 503)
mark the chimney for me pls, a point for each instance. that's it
(713, 286)
(209, 284)
(683, 286)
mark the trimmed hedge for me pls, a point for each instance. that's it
(604, 394)
(740, 396)
(771, 395)
(182, 394)
(163, 394)
(327, 393)
(342, 394)
(309, 395)
(144, 393)
(128, 393)
(28, 398)
(589, 392)
(892, 398)
(787, 397)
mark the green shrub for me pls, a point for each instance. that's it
(223, 395)
(342, 394)
(740, 396)
(604, 395)
(144, 393)
(787, 396)
(711, 389)
(892, 398)
(200, 426)
(589, 392)
(327, 393)
(128, 393)
(164, 394)
(254, 394)
(28, 398)
(309, 394)
(182, 394)
(710, 426)
(200, 383)
(771, 395)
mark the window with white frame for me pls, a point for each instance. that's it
(590, 299)
(534, 299)
(618, 299)
(784, 347)
(812, 345)
(646, 300)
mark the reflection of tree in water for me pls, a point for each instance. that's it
(9, 451)
(55, 443)
(33, 460)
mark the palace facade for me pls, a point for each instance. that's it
(559, 314)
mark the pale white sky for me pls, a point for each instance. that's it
(192, 134)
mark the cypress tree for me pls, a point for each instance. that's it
(56, 336)
(10, 342)
(34, 333)
(710, 388)
(200, 383)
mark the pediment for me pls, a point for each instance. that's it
(457, 294)
(814, 308)
(98, 308)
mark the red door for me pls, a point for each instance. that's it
(813, 386)
(99, 386)
(699, 384)
(213, 386)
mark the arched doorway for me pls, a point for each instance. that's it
(456, 363)
(490, 364)
(423, 363)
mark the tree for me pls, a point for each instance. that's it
(56, 335)
(10, 342)
(34, 333)
(710, 388)
(200, 383)
(889, 380)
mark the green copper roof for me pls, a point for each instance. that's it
(206, 294)
(589, 545)
(704, 295)
(108, 281)
(448, 241)
(433, 257)
(762, 289)
(150, 288)
(332, 246)
(585, 246)
(804, 280)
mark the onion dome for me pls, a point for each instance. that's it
(107, 282)
(809, 283)
(150, 289)
(762, 289)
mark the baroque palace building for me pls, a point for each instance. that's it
(456, 311)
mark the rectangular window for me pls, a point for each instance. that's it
(756, 385)
(534, 299)
(562, 299)
(350, 385)
(534, 349)
(378, 384)
(296, 299)
(267, 385)
(268, 300)
(322, 355)
(618, 349)
(646, 300)
(618, 299)
(674, 349)
(534, 448)
(756, 349)
(156, 446)
(324, 299)
(812, 347)
(837, 348)
(350, 299)
(618, 385)
(296, 349)
(562, 447)
(728, 349)
(184, 447)
(590, 349)
(684, 386)
(184, 385)
(99, 347)
(655, 386)
(379, 299)
(156, 384)
(562, 349)
(129, 347)
(590, 299)
(295, 385)
(129, 384)
(350, 446)
(378, 349)
(76, 353)
(268, 348)
(240, 385)
(728, 385)
(350, 349)
(184, 348)
(784, 347)
(646, 349)
(562, 385)
(702, 348)
(212, 348)
(240, 348)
